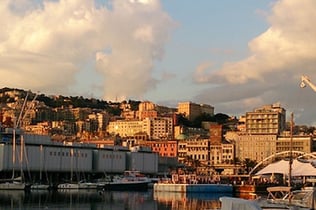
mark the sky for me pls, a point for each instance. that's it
(233, 55)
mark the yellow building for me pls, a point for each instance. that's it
(255, 147)
(155, 128)
(192, 110)
(125, 127)
(299, 143)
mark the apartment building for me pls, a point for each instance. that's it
(155, 128)
(165, 148)
(125, 127)
(269, 119)
(255, 147)
(158, 128)
(299, 143)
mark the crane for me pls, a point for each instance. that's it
(305, 80)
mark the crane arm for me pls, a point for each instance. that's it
(305, 80)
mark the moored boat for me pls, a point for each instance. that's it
(131, 180)
(39, 186)
(79, 185)
(12, 185)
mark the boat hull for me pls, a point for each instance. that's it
(77, 186)
(12, 186)
(40, 187)
(128, 186)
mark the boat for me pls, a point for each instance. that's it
(230, 203)
(68, 186)
(15, 183)
(40, 186)
(12, 185)
(80, 185)
(131, 180)
(285, 196)
(188, 183)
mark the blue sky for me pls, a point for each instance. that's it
(233, 55)
(216, 31)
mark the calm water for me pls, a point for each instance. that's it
(95, 200)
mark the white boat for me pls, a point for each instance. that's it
(12, 185)
(131, 180)
(16, 183)
(39, 186)
(282, 195)
(79, 185)
(229, 203)
(87, 185)
(69, 186)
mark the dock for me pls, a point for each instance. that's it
(193, 188)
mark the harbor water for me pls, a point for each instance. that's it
(103, 200)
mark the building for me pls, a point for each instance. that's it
(192, 110)
(255, 147)
(158, 128)
(216, 134)
(155, 128)
(269, 119)
(125, 127)
(166, 148)
(299, 143)
(147, 109)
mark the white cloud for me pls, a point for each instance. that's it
(44, 44)
(278, 57)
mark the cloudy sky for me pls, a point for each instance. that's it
(233, 55)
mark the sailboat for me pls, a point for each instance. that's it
(69, 185)
(39, 185)
(15, 183)
(75, 185)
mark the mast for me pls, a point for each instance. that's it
(291, 150)
(21, 156)
(41, 157)
(13, 150)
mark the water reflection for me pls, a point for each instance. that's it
(182, 201)
(76, 199)
(95, 200)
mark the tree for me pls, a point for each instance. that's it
(249, 164)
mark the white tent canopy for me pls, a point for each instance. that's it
(282, 167)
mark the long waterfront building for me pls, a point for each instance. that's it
(58, 160)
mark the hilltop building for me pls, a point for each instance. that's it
(192, 110)
(155, 128)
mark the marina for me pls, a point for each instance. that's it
(37, 161)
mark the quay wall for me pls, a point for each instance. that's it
(193, 188)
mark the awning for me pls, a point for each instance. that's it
(282, 167)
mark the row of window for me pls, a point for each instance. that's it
(83, 155)
(70, 154)
(160, 149)
(164, 145)
(111, 156)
